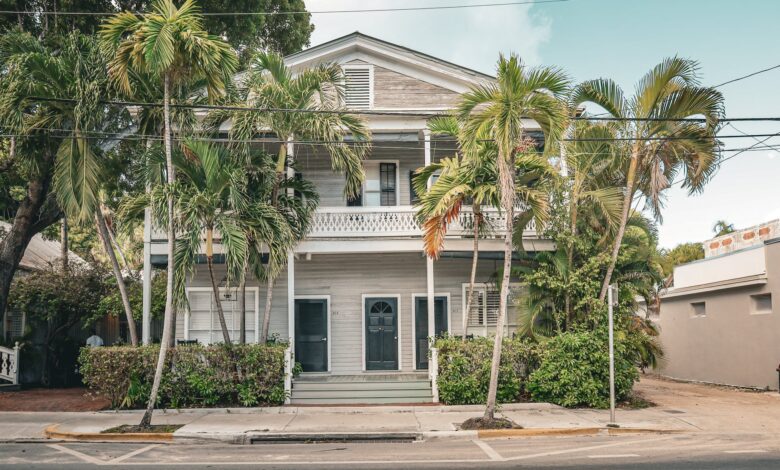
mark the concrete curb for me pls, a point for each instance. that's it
(52, 432)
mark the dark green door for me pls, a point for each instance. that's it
(311, 334)
(381, 333)
(421, 325)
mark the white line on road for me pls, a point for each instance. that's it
(134, 453)
(612, 456)
(491, 452)
(746, 451)
(75, 453)
(584, 449)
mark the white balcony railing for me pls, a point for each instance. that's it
(399, 221)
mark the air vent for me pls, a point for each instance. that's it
(357, 94)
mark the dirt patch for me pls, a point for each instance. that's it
(635, 401)
(51, 399)
(476, 424)
(134, 428)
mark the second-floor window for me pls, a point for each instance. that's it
(380, 187)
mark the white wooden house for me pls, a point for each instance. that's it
(354, 301)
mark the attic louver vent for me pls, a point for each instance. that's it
(357, 94)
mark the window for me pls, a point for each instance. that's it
(761, 303)
(698, 309)
(381, 185)
(358, 83)
(486, 302)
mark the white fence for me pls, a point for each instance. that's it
(9, 364)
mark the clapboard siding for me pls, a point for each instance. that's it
(346, 278)
(394, 90)
(315, 166)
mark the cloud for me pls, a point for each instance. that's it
(472, 37)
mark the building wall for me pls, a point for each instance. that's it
(346, 278)
(731, 344)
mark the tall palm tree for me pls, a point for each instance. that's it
(170, 44)
(495, 112)
(269, 84)
(659, 142)
(54, 77)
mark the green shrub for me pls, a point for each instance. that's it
(574, 370)
(194, 376)
(464, 369)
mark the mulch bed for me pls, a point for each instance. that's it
(476, 424)
(51, 399)
(133, 428)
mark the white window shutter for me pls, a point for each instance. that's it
(358, 84)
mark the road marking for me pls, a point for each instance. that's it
(612, 456)
(491, 452)
(585, 449)
(133, 453)
(75, 453)
(746, 451)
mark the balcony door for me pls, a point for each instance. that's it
(380, 187)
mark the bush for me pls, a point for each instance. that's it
(464, 369)
(575, 370)
(194, 376)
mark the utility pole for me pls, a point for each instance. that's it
(612, 423)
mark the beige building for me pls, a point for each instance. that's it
(721, 321)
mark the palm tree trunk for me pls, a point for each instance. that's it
(475, 259)
(269, 292)
(507, 187)
(242, 308)
(167, 335)
(214, 286)
(627, 198)
(64, 243)
(570, 260)
(100, 221)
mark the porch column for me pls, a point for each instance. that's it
(147, 278)
(291, 265)
(428, 260)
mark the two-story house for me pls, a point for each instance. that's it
(359, 299)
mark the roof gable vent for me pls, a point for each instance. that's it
(358, 89)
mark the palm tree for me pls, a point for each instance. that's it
(269, 84)
(76, 69)
(170, 44)
(659, 142)
(495, 112)
(722, 227)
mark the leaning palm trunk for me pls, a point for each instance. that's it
(64, 243)
(629, 195)
(267, 313)
(100, 221)
(507, 187)
(474, 261)
(167, 335)
(214, 286)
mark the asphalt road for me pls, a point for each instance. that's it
(648, 451)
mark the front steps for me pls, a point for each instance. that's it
(361, 389)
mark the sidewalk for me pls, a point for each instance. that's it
(681, 408)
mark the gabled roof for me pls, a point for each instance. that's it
(394, 56)
(41, 253)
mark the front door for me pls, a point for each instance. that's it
(421, 325)
(311, 334)
(381, 333)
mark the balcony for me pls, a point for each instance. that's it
(393, 222)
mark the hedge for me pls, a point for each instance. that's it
(464, 369)
(194, 375)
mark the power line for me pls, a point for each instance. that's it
(747, 76)
(620, 139)
(299, 12)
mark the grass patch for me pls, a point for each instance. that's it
(476, 424)
(134, 428)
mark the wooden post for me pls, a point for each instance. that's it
(287, 375)
(433, 373)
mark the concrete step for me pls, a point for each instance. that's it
(355, 394)
(358, 401)
(354, 386)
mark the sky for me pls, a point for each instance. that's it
(622, 40)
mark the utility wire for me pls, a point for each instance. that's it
(299, 12)
(747, 76)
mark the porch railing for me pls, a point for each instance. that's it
(397, 221)
(9, 364)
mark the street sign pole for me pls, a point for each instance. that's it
(611, 423)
